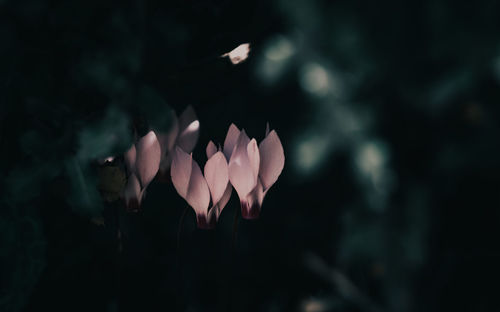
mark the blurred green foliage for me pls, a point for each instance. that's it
(389, 119)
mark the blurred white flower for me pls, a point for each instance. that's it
(239, 54)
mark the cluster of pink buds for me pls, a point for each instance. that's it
(250, 168)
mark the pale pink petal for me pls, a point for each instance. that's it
(132, 193)
(224, 200)
(231, 139)
(272, 159)
(163, 140)
(167, 142)
(148, 158)
(211, 149)
(216, 175)
(130, 159)
(198, 195)
(181, 171)
(267, 129)
(243, 139)
(186, 118)
(189, 130)
(241, 173)
(251, 208)
(253, 156)
(238, 54)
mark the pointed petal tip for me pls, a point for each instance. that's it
(211, 149)
(230, 141)
(233, 126)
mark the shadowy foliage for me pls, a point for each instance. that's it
(387, 112)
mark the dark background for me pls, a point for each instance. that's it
(387, 111)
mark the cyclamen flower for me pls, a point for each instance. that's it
(197, 189)
(184, 133)
(142, 161)
(253, 169)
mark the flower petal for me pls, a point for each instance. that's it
(250, 209)
(231, 139)
(243, 139)
(129, 157)
(167, 142)
(267, 128)
(211, 149)
(238, 54)
(181, 171)
(241, 172)
(189, 130)
(224, 200)
(253, 156)
(272, 159)
(148, 158)
(198, 195)
(132, 193)
(216, 175)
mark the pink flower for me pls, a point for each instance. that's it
(142, 161)
(184, 133)
(253, 169)
(197, 188)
